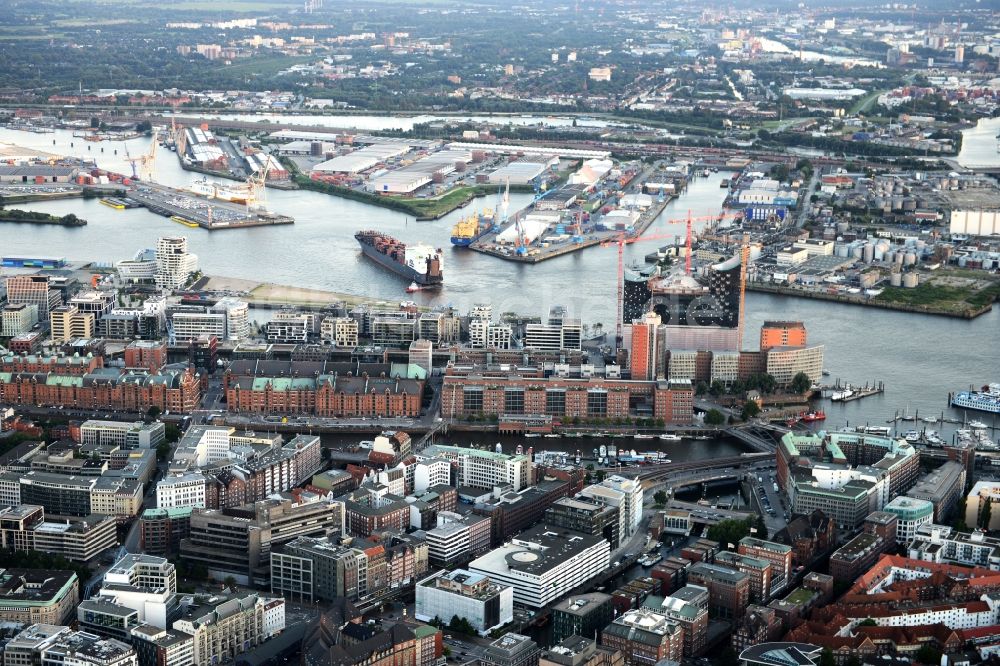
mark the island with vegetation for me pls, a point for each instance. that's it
(33, 217)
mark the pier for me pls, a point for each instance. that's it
(193, 211)
(538, 251)
(850, 393)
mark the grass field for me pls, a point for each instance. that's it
(942, 297)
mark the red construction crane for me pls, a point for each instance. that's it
(624, 239)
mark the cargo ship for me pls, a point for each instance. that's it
(470, 229)
(420, 263)
(986, 400)
(210, 190)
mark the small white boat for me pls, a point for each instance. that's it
(553, 435)
(641, 436)
(978, 425)
(930, 419)
(667, 437)
(531, 434)
(912, 436)
(413, 287)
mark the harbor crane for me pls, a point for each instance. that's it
(142, 166)
(625, 239)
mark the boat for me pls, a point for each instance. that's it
(420, 263)
(809, 417)
(668, 437)
(553, 435)
(209, 190)
(724, 183)
(912, 436)
(612, 451)
(183, 220)
(930, 419)
(413, 288)
(641, 436)
(840, 396)
(603, 452)
(978, 425)
(702, 438)
(826, 373)
(113, 203)
(933, 438)
(532, 434)
(985, 400)
(471, 228)
(706, 173)
(518, 450)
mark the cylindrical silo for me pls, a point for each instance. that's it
(896, 279)
(910, 280)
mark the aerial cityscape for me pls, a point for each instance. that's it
(448, 333)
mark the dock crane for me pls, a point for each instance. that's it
(625, 239)
(142, 166)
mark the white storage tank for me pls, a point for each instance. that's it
(911, 259)
(910, 280)
(896, 279)
(869, 253)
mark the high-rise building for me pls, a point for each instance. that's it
(174, 264)
(635, 295)
(471, 596)
(237, 317)
(645, 356)
(724, 284)
(33, 290)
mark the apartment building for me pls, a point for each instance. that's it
(474, 597)
(38, 596)
(33, 290)
(644, 637)
(485, 469)
(224, 628)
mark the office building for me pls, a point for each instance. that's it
(238, 541)
(688, 607)
(581, 615)
(587, 516)
(38, 596)
(485, 469)
(162, 647)
(791, 334)
(778, 554)
(18, 318)
(174, 264)
(236, 317)
(24, 528)
(457, 539)
(580, 651)
(543, 564)
(942, 487)
(68, 323)
(758, 570)
(162, 530)
(474, 597)
(33, 290)
(144, 584)
(911, 514)
(644, 637)
(728, 589)
(123, 434)
(48, 644)
(558, 333)
(944, 545)
(289, 328)
(511, 650)
(224, 628)
(631, 490)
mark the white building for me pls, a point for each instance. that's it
(942, 544)
(140, 269)
(184, 490)
(145, 584)
(135, 435)
(431, 472)
(289, 328)
(224, 628)
(485, 469)
(18, 319)
(911, 514)
(543, 564)
(472, 596)
(237, 315)
(174, 264)
(632, 491)
(193, 325)
(608, 496)
(51, 645)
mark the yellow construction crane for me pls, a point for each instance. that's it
(142, 166)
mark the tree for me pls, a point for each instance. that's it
(717, 388)
(714, 417)
(750, 410)
(868, 622)
(660, 498)
(730, 530)
(230, 582)
(600, 475)
(761, 528)
(153, 413)
(928, 654)
(826, 658)
(726, 657)
(985, 514)
(801, 383)
(701, 388)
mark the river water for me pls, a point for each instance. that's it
(920, 358)
(979, 145)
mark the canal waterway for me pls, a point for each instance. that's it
(919, 357)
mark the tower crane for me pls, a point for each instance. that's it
(624, 239)
(256, 187)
